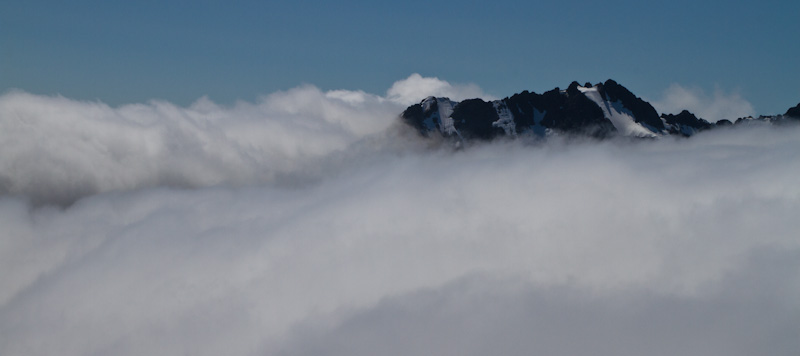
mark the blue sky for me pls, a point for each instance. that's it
(125, 51)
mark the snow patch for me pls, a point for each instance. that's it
(506, 121)
(442, 116)
(445, 111)
(620, 117)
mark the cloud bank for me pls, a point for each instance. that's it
(719, 106)
(218, 235)
(59, 150)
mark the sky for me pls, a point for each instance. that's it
(122, 52)
(204, 178)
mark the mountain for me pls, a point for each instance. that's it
(793, 112)
(600, 110)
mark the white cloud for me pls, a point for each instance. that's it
(629, 247)
(303, 224)
(416, 87)
(57, 149)
(479, 315)
(720, 105)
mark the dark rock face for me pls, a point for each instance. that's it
(522, 105)
(566, 111)
(577, 110)
(642, 111)
(685, 118)
(413, 116)
(474, 118)
(685, 123)
(571, 111)
(793, 112)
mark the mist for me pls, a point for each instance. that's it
(719, 106)
(310, 223)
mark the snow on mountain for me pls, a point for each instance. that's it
(438, 112)
(621, 117)
(600, 110)
(506, 121)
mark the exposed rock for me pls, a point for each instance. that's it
(578, 110)
(793, 112)
(642, 110)
(685, 123)
(473, 118)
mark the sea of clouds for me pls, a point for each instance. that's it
(311, 223)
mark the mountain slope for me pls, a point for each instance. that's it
(600, 110)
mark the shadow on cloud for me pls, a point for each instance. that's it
(744, 314)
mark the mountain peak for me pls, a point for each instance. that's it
(793, 112)
(600, 110)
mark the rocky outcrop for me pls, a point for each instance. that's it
(642, 111)
(600, 110)
(793, 112)
(685, 123)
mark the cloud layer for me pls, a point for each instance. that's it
(58, 150)
(285, 227)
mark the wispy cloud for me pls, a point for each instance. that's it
(717, 106)
(416, 87)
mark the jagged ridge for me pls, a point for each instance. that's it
(600, 110)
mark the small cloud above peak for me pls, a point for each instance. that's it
(416, 87)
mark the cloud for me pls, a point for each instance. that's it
(720, 105)
(659, 247)
(59, 150)
(479, 315)
(416, 87)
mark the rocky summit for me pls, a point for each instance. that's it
(601, 110)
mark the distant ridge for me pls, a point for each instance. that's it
(600, 110)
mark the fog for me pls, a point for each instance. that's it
(310, 223)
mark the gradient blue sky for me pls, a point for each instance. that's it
(132, 51)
